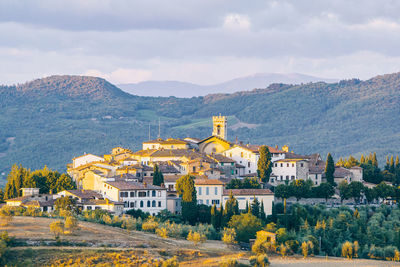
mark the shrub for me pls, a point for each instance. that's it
(162, 232)
(347, 250)
(6, 216)
(262, 245)
(259, 261)
(171, 262)
(230, 262)
(246, 226)
(196, 237)
(150, 225)
(57, 228)
(229, 236)
(71, 225)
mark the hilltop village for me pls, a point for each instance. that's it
(123, 180)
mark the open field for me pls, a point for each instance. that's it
(95, 243)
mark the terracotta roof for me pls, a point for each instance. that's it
(221, 158)
(247, 192)
(125, 176)
(144, 153)
(237, 165)
(124, 185)
(217, 137)
(290, 160)
(255, 148)
(85, 193)
(100, 202)
(86, 155)
(169, 141)
(208, 182)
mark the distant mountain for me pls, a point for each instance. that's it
(51, 120)
(183, 89)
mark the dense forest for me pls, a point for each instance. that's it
(49, 121)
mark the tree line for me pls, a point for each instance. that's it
(47, 180)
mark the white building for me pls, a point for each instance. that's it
(209, 191)
(288, 170)
(148, 198)
(248, 155)
(85, 159)
(244, 196)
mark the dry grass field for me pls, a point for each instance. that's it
(95, 244)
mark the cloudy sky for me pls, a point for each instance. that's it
(201, 41)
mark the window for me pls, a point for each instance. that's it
(215, 190)
(281, 164)
(132, 204)
(301, 164)
(248, 164)
(207, 201)
(141, 203)
(292, 177)
(148, 203)
(281, 177)
(199, 191)
(292, 164)
(207, 191)
(200, 201)
(215, 201)
(153, 203)
(276, 164)
(159, 204)
(287, 164)
(142, 194)
(153, 193)
(232, 172)
(123, 194)
(287, 177)
(89, 207)
(132, 194)
(170, 187)
(272, 180)
(138, 174)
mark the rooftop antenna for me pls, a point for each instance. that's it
(159, 128)
(149, 132)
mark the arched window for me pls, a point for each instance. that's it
(141, 203)
(148, 203)
(153, 203)
(153, 193)
(218, 129)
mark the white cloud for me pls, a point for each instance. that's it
(237, 21)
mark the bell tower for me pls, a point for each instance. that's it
(220, 127)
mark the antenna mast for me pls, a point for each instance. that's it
(149, 132)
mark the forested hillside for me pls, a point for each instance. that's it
(51, 120)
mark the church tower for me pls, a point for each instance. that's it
(220, 128)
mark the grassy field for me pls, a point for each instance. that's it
(96, 244)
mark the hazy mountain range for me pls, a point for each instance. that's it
(51, 120)
(184, 89)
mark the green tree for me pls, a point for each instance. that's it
(264, 164)
(214, 217)
(344, 190)
(325, 190)
(263, 216)
(158, 177)
(231, 208)
(186, 188)
(330, 169)
(64, 182)
(301, 189)
(255, 207)
(65, 203)
(356, 189)
(15, 181)
(283, 191)
(246, 226)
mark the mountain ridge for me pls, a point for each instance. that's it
(53, 120)
(244, 83)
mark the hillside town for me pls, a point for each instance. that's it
(123, 179)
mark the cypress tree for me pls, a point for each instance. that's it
(397, 163)
(186, 188)
(247, 206)
(264, 164)
(15, 181)
(374, 160)
(391, 169)
(387, 166)
(156, 175)
(262, 212)
(362, 160)
(214, 216)
(330, 169)
(255, 207)
(221, 222)
(231, 208)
